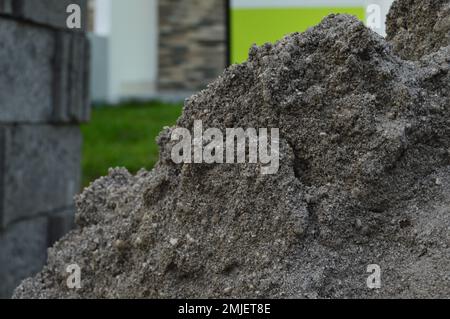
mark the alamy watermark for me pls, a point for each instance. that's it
(374, 19)
(374, 280)
(74, 279)
(73, 21)
(233, 146)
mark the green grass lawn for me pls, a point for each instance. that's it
(249, 26)
(124, 136)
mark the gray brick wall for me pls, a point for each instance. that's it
(49, 13)
(43, 98)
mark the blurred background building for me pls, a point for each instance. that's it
(155, 49)
(167, 49)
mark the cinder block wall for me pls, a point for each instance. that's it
(43, 99)
(192, 43)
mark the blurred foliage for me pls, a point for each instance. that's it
(124, 136)
(261, 25)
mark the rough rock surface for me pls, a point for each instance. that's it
(419, 27)
(364, 178)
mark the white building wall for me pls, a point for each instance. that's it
(102, 20)
(131, 29)
(133, 48)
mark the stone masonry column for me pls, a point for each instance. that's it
(43, 99)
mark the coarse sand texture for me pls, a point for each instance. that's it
(364, 179)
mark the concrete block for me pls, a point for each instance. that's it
(71, 90)
(43, 75)
(6, 7)
(23, 252)
(49, 12)
(40, 172)
(26, 72)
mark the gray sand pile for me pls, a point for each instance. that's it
(364, 179)
(419, 27)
